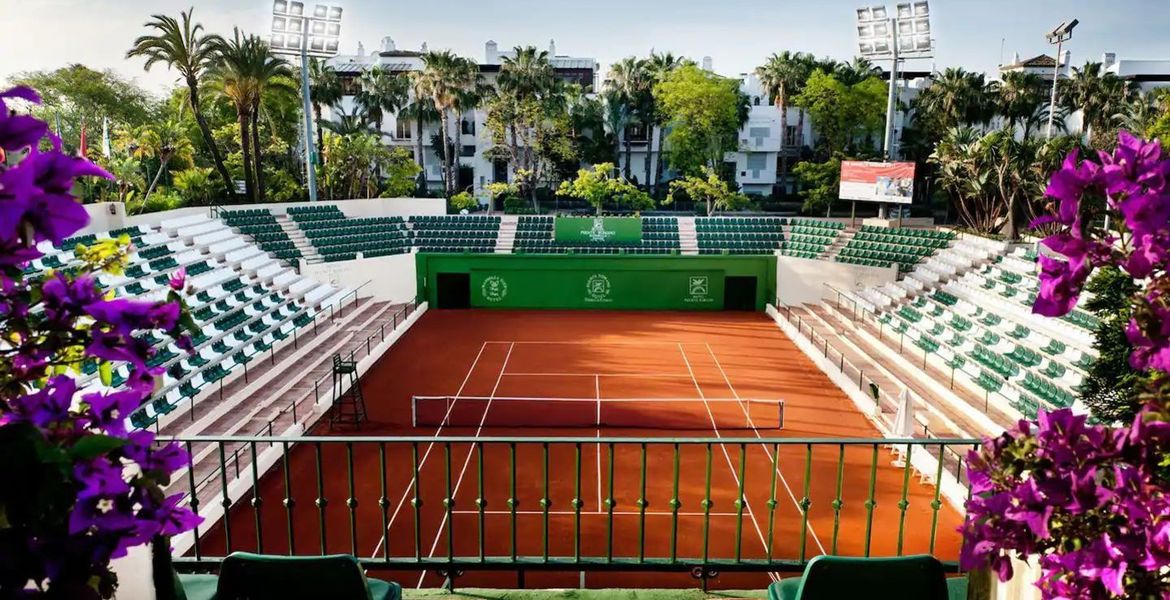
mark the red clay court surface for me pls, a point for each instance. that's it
(554, 354)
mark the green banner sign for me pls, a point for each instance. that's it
(598, 289)
(598, 230)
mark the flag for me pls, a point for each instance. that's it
(81, 142)
(106, 137)
(57, 130)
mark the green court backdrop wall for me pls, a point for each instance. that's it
(597, 281)
(596, 230)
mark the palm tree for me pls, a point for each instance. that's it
(1020, 95)
(164, 142)
(957, 97)
(127, 172)
(181, 45)
(525, 78)
(420, 111)
(325, 90)
(446, 79)
(381, 92)
(853, 73)
(782, 75)
(616, 119)
(245, 70)
(1097, 93)
(658, 67)
(631, 79)
(349, 124)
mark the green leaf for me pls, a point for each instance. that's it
(106, 373)
(94, 446)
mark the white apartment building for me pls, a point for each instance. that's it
(469, 134)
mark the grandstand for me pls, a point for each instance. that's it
(740, 442)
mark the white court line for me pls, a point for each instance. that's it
(765, 447)
(647, 375)
(595, 513)
(467, 461)
(597, 386)
(589, 343)
(411, 484)
(727, 456)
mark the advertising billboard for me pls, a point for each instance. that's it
(877, 181)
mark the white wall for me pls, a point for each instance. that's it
(112, 215)
(389, 278)
(802, 280)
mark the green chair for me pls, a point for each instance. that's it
(247, 576)
(918, 577)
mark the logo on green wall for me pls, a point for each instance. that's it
(598, 233)
(699, 288)
(494, 288)
(597, 288)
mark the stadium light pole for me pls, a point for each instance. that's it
(296, 32)
(895, 38)
(1058, 36)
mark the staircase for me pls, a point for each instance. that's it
(842, 240)
(299, 239)
(289, 401)
(688, 238)
(506, 239)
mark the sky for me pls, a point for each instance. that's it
(737, 34)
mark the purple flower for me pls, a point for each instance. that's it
(48, 405)
(166, 459)
(20, 131)
(1060, 286)
(99, 478)
(131, 315)
(108, 411)
(178, 279)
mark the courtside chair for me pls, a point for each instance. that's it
(919, 577)
(247, 576)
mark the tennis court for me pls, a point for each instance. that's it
(596, 375)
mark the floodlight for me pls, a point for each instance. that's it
(335, 13)
(921, 9)
(905, 11)
(318, 27)
(320, 11)
(279, 24)
(333, 30)
(296, 9)
(863, 15)
(879, 13)
(881, 29)
(905, 27)
(922, 25)
(280, 7)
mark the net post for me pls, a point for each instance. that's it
(414, 411)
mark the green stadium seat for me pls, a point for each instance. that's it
(918, 577)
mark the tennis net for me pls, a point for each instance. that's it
(640, 413)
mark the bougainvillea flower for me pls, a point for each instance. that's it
(127, 315)
(1060, 286)
(20, 131)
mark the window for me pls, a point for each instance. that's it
(467, 124)
(403, 129)
(790, 135)
(756, 101)
(756, 162)
(759, 134)
(467, 150)
(636, 133)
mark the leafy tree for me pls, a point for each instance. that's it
(820, 183)
(704, 115)
(463, 201)
(846, 116)
(181, 45)
(197, 186)
(1111, 390)
(710, 189)
(165, 141)
(77, 95)
(1019, 97)
(601, 185)
(399, 172)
